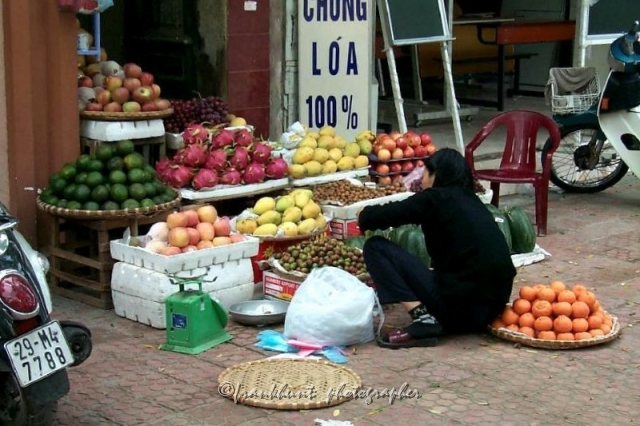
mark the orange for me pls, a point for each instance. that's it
(538, 287)
(557, 286)
(562, 308)
(528, 293)
(509, 317)
(528, 331)
(596, 332)
(589, 298)
(521, 306)
(596, 306)
(580, 325)
(608, 320)
(541, 308)
(578, 288)
(548, 294)
(566, 296)
(565, 336)
(606, 329)
(562, 324)
(583, 335)
(594, 322)
(526, 320)
(543, 324)
(497, 323)
(547, 335)
(513, 327)
(579, 310)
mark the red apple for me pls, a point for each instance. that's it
(407, 166)
(131, 84)
(389, 144)
(420, 151)
(103, 97)
(222, 227)
(413, 137)
(94, 106)
(120, 95)
(397, 154)
(419, 163)
(395, 135)
(162, 104)
(156, 91)
(194, 236)
(396, 178)
(113, 107)
(381, 136)
(402, 142)
(169, 251)
(431, 149)
(395, 167)
(192, 217)
(142, 95)
(377, 147)
(408, 152)
(382, 168)
(206, 231)
(177, 220)
(131, 106)
(384, 181)
(112, 82)
(146, 79)
(384, 154)
(425, 139)
(204, 244)
(85, 81)
(149, 106)
(179, 237)
(132, 70)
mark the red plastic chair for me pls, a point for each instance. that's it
(518, 164)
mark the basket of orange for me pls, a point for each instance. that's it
(556, 316)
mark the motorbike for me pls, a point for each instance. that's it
(35, 350)
(599, 129)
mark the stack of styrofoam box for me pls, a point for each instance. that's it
(140, 282)
(110, 131)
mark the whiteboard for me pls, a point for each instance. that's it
(416, 21)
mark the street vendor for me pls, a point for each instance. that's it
(471, 274)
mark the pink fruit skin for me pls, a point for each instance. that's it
(222, 227)
(205, 178)
(146, 79)
(240, 158)
(277, 168)
(179, 237)
(132, 70)
(131, 84)
(261, 153)
(254, 173)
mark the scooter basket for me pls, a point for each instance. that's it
(572, 90)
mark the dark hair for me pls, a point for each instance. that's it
(450, 168)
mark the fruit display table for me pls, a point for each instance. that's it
(227, 192)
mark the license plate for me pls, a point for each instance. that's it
(39, 353)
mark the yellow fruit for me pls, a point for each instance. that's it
(284, 203)
(238, 122)
(314, 135)
(327, 130)
(292, 214)
(340, 142)
(326, 142)
(345, 163)
(306, 227)
(290, 229)
(264, 204)
(320, 155)
(82, 62)
(329, 167)
(313, 168)
(321, 222)
(366, 135)
(311, 210)
(361, 161)
(297, 191)
(270, 217)
(302, 155)
(268, 229)
(302, 199)
(335, 154)
(297, 171)
(365, 146)
(352, 150)
(246, 226)
(307, 141)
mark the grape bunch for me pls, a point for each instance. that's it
(211, 109)
(416, 185)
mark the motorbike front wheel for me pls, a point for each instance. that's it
(578, 166)
(15, 410)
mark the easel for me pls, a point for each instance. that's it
(443, 37)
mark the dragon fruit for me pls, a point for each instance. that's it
(222, 139)
(260, 153)
(240, 158)
(231, 177)
(205, 178)
(195, 134)
(194, 155)
(179, 176)
(216, 160)
(277, 168)
(243, 138)
(162, 165)
(254, 173)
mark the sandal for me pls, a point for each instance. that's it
(399, 338)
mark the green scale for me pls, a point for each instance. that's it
(195, 321)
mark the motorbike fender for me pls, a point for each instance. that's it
(31, 255)
(622, 129)
(49, 389)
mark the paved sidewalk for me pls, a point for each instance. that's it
(469, 380)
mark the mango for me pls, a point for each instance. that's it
(308, 141)
(352, 150)
(320, 155)
(335, 154)
(327, 130)
(311, 210)
(292, 214)
(302, 199)
(297, 171)
(329, 167)
(290, 229)
(345, 163)
(321, 221)
(302, 155)
(340, 142)
(284, 203)
(246, 226)
(266, 230)
(270, 217)
(313, 168)
(365, 146)
(314, 135)
(297, 191)
(306, 227)
(326, 142)
(361, 161)
(264, 204)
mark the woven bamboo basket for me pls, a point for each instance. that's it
(125, 116)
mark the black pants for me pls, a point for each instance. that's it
(400, 276)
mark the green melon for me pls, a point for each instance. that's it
(502, 223)
(523, 233)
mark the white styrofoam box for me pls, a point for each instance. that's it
(350, 211)
(317, 180)
(236, 191)
(109, 131)
(189, 264)
(139, 294)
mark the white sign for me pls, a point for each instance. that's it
(334, 64)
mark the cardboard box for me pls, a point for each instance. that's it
(277, 287)
(342, 229)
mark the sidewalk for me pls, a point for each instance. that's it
(471, 380)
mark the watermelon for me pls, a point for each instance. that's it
(412, 240)
(523, 233)
(502, 223)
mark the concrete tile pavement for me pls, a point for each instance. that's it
(465, 380)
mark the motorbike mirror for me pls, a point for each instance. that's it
(635, 28)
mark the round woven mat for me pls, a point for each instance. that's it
(107, 214)
(288, 384)
(525, 340)
(125, 116)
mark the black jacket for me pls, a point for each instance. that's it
(469, 254)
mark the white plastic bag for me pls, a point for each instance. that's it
(331, 308)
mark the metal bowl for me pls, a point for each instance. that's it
(259, 312)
